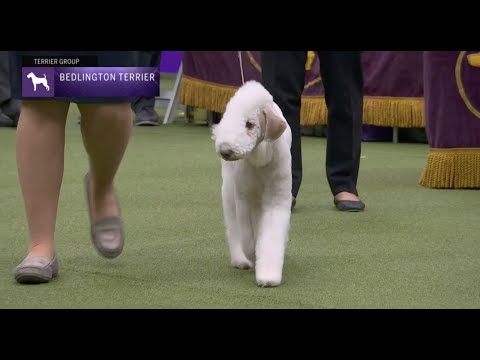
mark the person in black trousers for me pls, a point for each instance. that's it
(144, 108)
(283, 75)
(9, 108)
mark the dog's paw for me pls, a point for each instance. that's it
(269, 280)
(244, 264)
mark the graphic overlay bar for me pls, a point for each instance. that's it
(104, 82)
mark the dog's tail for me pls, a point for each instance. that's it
(45, 76)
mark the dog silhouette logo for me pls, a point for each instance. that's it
(38, 81)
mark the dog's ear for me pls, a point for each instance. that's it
(275, 124)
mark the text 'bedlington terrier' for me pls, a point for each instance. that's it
(253, 138)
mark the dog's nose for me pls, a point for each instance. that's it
(225, 151)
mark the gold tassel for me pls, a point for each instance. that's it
(204, 94)
(313, 111)
(377, 110)
(403, 112)
(452, 169)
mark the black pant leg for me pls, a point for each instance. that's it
(283, 75)
(8, 106)
(148, 59)
(342, 77)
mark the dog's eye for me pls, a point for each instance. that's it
(249, 125)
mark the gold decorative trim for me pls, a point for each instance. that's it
(205, 94)
(257, 66)
(454, 168)
(254, 62)
(474, 59)
(313, 82)
(401, 112)
(310, 59)
(460, 86)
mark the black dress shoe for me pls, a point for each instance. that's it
(147, 117)
(6, 121)
(349, 205)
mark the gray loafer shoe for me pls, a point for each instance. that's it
(349, 205)
(36, 270)
(108, 235)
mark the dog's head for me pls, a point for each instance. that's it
(30, 75)
(250, 117)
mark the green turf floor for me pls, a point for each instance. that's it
(412, 248)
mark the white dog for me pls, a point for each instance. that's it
(253, 138)
(38, 80)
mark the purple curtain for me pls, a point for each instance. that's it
(393, 84)
(452, 119)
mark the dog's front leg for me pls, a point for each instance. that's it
(238, 258)
(245, 231)
(271, 243)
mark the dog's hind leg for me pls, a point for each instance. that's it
(271, 244)
(238, 258)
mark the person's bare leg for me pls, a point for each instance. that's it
(106, 130)
(40, 143)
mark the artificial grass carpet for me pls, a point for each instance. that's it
(412, 247)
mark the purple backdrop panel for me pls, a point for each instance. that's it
(393, 73)
(386, 73)
(393, 84)
(452, 99)
(170, 61)
(221, 67)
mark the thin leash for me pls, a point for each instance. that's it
(241, 66)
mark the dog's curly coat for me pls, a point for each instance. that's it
(253, 138)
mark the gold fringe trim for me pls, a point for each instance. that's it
(205, 94)
(394, 111)
(377, 110)
(452, 169)
(313, 111)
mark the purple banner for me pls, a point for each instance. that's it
(452, 98)
(393, 73)
(393, 84)
(452, 119)
(65, 82)
(386, 73)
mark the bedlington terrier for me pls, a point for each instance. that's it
(253, 138)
